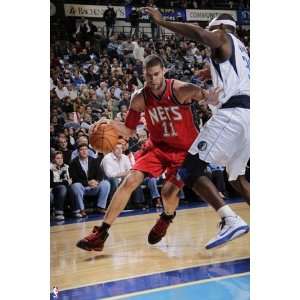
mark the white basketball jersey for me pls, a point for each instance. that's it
(233, 75)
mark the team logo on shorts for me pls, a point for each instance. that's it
(202, 146)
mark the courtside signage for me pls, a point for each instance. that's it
(91, 11)
(206, 15)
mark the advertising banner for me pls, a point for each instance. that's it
(171, 14)
(91, 11)
(206, 15)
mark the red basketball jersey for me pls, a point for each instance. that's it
(170, 124)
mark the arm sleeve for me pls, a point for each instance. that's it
(132, 119)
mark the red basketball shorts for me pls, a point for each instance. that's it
(154, 161)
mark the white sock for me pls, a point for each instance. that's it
(225, 211)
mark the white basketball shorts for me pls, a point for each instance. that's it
(225, 140)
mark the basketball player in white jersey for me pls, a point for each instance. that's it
(224, 140)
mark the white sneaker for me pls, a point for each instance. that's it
(59, 217)
(230, 228)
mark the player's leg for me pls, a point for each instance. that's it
(95, 241)
(169, 194)
(237, 167)
(231, 225)
(242, 186)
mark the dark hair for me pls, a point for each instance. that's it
(82, 145)
(152, 61)
(225, 17)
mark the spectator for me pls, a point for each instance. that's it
(61, 91)
(125, 100)
(152, 183)
(134, 20)
(59, 182)
(138, 51)
(88, 179)
(122, 114)
(73, 94)
(116, 166)
(63, 147)
(109, 17)
(78, 79)
(67, 106)
(83, 140)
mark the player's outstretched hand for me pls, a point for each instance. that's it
(154, 13)
(212, 96)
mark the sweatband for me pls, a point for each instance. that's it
(132, 119)
(215, 22)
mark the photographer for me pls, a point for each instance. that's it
(134, 21)
(109, 17)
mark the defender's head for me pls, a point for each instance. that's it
(154, 71)
(224, 21)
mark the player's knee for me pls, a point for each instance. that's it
(131, 181)
(169, 191)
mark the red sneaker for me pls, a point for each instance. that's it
(94, 241)
(159, 230)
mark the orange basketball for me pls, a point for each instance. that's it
(104, 139)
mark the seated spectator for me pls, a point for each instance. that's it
(116, 166)
(152, 183)
(63, 147)
(73, 93)
(125, 99)
(83, 140)
(59, 182)
(78, 80)
(122, 114)
(61, 91)
(88, 179)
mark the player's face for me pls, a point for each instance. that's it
(154, 77)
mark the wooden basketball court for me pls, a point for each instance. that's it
(127, 254)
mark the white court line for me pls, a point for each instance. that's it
(153, 273)
(176, 286)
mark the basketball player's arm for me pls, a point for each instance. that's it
(213, 39)
(137, 106)
(186, 92)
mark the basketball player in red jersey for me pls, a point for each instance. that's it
(169, 119)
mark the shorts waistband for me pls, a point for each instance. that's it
(242, 101)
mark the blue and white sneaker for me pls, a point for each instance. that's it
(230, 228)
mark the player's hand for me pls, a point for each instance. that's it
(204, 74)
(154, 13)
(212, 96)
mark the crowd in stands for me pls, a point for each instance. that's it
(186, 4)
(89, 81)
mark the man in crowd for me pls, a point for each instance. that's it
(88, 179)
(109, 17)
(116, 166)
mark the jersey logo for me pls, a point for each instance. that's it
(165, 113)
(202, 146)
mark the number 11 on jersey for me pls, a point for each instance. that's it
(169, 129)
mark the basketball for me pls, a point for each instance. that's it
(104, 138)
